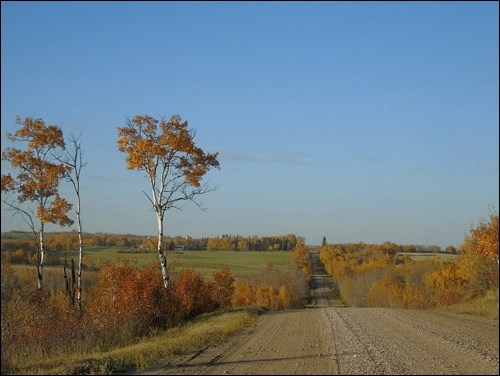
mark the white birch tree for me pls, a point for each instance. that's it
(74, 160)
(174, 166)
(36, 180)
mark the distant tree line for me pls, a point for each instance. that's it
(253, 243)
(18, 250)
(393, 247)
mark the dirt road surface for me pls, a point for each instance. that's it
(370, 341)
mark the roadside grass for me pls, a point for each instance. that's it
(206, 330)
(485, 306)
(334, 298)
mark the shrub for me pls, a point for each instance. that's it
(128, 299)
(243, 295)
(192, 293)
(222, 287)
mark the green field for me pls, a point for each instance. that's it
(204, 262)
(242, 263)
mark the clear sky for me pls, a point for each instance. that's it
(358, 121)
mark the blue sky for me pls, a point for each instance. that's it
(358, 121)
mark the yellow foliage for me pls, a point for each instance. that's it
(478, 262)
(483, 238)
(301, 259)
(285, 298)
(38, 174)
(447, 284)
(243, 295)
(387, 292)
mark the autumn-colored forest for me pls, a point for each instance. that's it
(379, 276)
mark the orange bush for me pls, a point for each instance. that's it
(243, 295)
(128, 295)
(192, 293)
(222, 287)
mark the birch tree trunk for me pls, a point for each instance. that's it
(74, 160)
(80, 252)
(41, 259)
(161, 253)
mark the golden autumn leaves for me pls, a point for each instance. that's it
(151, 144)
(483, 238)
(38, 171)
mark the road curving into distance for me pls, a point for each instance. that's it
(321, 339)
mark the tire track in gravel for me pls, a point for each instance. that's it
(354, 353)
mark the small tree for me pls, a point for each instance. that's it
(479, 255)
(483, 238)
(37, 181)
(166, 151)
(74, 160)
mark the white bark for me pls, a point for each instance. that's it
(161, 253)
(41, 259)
(80, 252)
(74, 160)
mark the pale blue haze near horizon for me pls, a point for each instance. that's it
(357, 121)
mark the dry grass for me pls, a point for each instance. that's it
(485, 306)
(206, 330)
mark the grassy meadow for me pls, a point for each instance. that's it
(204, 262)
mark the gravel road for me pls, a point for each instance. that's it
(370, 341)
